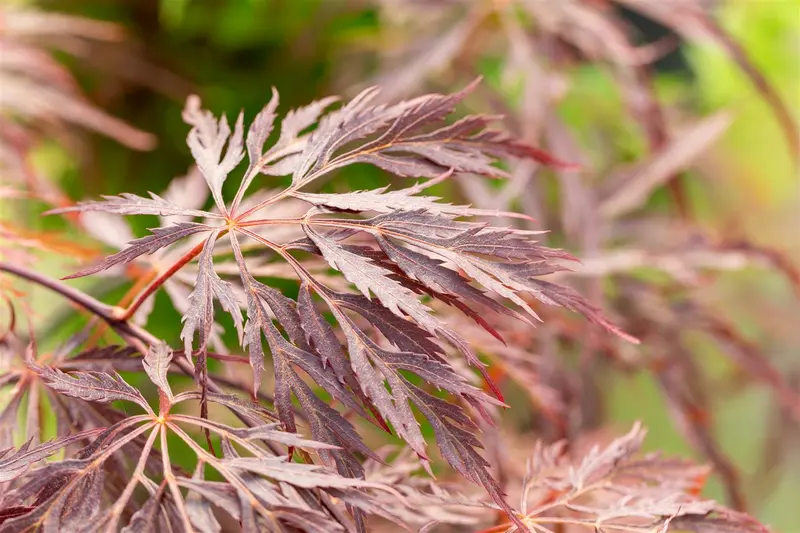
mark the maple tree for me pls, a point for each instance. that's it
(396, 292)
(413, 247)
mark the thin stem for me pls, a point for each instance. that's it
(122, 501)
(265, 160)
(205, 424)
(271, 200)
(266, 242)
(220, 467)
(270, 222)
(136, 336)
(84, 300)
(171, 482)
(133, 334)
(161, 279)
(140, 283)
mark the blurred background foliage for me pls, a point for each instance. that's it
(232, 51)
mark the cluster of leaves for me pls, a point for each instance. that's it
(417, 244)
(390, 336)
(641, 267)
(262, 487)
(395, 293)
(614, 488)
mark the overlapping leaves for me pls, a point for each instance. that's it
(417, 248)
(613, 488)
(262, 489)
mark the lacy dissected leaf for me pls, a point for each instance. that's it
(428, 501)
(268, 432)
(371, 275)
(156, 365)
(91, 386)
(261, 299)
(402, 333)
(131, 204)
(284, 156)
(147, 518)
(381, 201)
(273, 488)
(394, 405)
(370, 278)
(207, 140)
(199, 508)
(160, 238)
(240, 406)
(431, 273)
(208, 286)
(320, 334)
(719, 520)
(188, 191)
(258, 133)
(119, 358)
(14, 463)
(374, 365)
(400, 144)
(300, 119)
(220, 494)
(284, 355)
(361, 267)
(298, 474)
(455, 436)
(599, 463)
(464, 237)
(323, 340)
(328, 425)
(421, 252)
(482, 252)
(67, 495)
(610, 486)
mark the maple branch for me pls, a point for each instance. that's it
(79, 297)
(130, 332)
(136, 336)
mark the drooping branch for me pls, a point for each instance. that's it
(135, 335)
